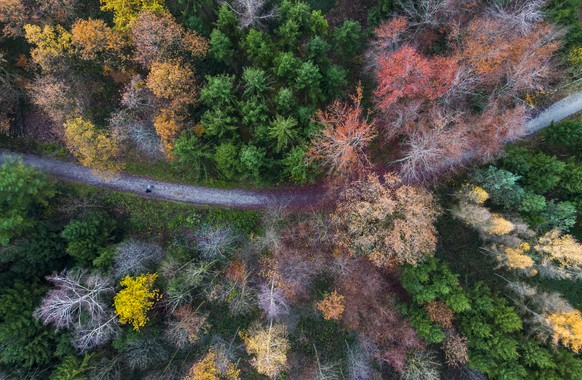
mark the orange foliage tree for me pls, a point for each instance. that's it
(332, 306)
(346, 134)
(94, 38)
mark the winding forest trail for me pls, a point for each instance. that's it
(236, 198)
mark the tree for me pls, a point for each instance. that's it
(283, 131)
(541, 173)
(389, 223)
(79, 301)
(421, 365)
(407, 75)
(252, 13)
(72, 368)
(92, 147)
(501, 185)
(168, 124)
(560, 256)
(94, 39)
(268, 345)
(25, 342)
(258, 47)
(135, 299)
(215, 243)
(56, 98)
(157, 37)
(187, 327)
(347, 39)
(221, 47)
(87, 236)
(214, 366)
(308, 79)
(174, 83)
(52, 46)
(22, 191)
(226, 158)
(342, 143)
(134, 257)
(332, 306)
(272, 301)
(125, 11)
(192, 155)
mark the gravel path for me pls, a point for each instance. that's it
(556, 112)
(245, 199)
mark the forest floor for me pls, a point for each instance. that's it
(297, 197)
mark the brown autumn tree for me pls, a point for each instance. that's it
(370, 309)
(94, 39)
(386, 221)
(57, 98)
(342, 143)
(158, 37)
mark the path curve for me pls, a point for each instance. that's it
(235, 198)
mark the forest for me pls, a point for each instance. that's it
(447, 243)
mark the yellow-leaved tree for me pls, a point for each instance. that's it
(125, 11)
(214, 366)
(268, 345)
(135, 299)
(92, 147)
(52, 44)
(567, 328)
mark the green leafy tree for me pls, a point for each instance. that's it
(347, 39)
(572, 178)
(283, 131)
(87, 236)
(227, 22)
(23, 193)
(308, 79)
(317, 50)
(220, 119)
(285, 101)
(501, 186)
(38, 253)
(257, 82)
(72, 368)
(192, 155)
(335, 81)
(296, 167)
(540, 173)
(565, 137)
(227, 160)
(560, 215)
(221, 47)
(285, 65)
(258, 48)
(288, 35)
(253, 160)
(25, 341)
(318, 24)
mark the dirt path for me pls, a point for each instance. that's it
(245, 199)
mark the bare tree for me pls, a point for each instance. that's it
(520, 15)
(252, 13)
(359, 363)
(215, 242)
(272, 301)
(78, 301)
(133, 257)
